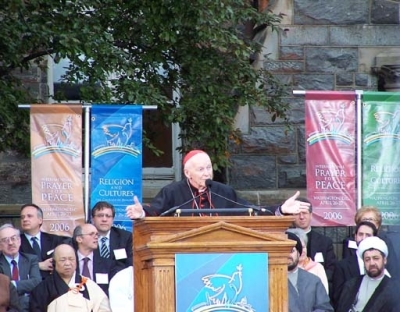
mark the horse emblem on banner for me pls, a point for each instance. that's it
(58, 138)
(387, 126)
(117, 138)
(331, 125)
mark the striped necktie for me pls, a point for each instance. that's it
(36, 247)
(104, 252)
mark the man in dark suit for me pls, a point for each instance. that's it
(375, 291)
(352, 266)
(36, 242)
(89, 262)
(114, 243)
(319, 246)
(23, 269)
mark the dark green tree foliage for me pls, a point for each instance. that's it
(137, 52)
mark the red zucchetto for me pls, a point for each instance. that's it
(191, 154)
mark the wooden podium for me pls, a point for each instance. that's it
(158, 239)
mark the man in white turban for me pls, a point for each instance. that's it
(376, 290)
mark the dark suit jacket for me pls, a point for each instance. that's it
(384, 298)
(29, 275)
(321, 243)
(121, 239)
(345, 270)
(47, 243)
(102, 266)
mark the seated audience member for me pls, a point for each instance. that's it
(197, 191)
(21, 268)
(352, 266)
(114, 243)
(373, 215)
(65, 290)
(319, 246)
(36, 242)
(121, 291)
(8, 295)
(306, 263)
(366, 213)
(90, 264)
(375, 291)
(306, 292)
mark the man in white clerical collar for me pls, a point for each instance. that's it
(374, 291)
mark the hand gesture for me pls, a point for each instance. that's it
(294, 206)
(135, 211)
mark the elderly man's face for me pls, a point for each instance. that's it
(10, 242)
(65, 261)
(198, 169)
(374, 263)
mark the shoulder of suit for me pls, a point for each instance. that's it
(321, 236)
(119, 231)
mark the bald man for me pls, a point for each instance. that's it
(197, 191)
(65, 290)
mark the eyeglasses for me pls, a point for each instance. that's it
(102, 215)
(369, 219)
(93, 234)
(6, 240)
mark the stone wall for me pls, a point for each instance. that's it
(321, 45)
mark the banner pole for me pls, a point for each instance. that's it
(86, 160)
(359, 149)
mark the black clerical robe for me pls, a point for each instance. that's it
(184, 196)
(384, 299)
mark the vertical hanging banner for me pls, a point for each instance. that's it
(380, 153)
(330, 154)
(116, 158)
(56, 148)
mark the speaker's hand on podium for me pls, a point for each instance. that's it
(294, 206)
(135, 211)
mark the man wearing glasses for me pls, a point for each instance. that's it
(90, 263)
(114, 243)
(21, 268)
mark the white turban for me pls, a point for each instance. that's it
(372, 242)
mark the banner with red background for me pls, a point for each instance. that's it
(330, 154)
(56, 148)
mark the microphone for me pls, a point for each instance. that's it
(209, 184)
(173, 209)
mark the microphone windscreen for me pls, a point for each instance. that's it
(209, 182)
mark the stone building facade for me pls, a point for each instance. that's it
(320, 45)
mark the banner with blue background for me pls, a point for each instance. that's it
(222, 282)
(116, 158)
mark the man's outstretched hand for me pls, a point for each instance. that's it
(294, 206)
(135, 211)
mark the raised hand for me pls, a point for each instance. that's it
(294, 206)
(135, 211)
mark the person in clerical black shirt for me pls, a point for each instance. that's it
(197, 191)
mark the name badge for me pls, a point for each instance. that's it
(352, 244)
(120, 253)
(319, 257)
(101, 278)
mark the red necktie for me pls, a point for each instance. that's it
(15, 273)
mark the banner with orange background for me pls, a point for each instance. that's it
(56, 157)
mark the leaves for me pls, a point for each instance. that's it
(138, 52)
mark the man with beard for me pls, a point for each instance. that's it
(306, 291)
(65, 290)
(375, 291)
(352, 266)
